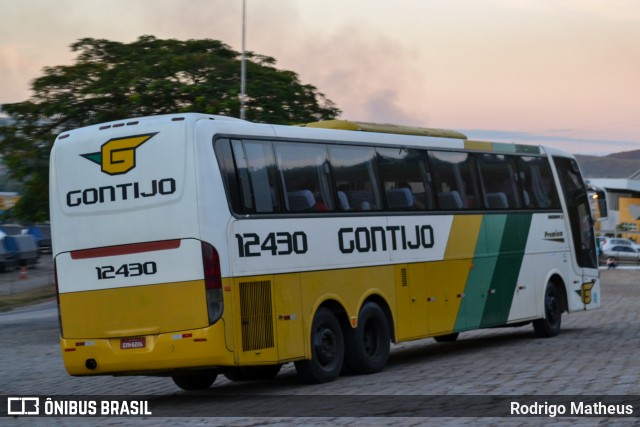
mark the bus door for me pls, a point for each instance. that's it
(581, 223)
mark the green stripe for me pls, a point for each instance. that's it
(491, 284)
(479, 280)
(507, 269)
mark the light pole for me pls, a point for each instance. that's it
(243, 66)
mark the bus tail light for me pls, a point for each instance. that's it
(212, 282)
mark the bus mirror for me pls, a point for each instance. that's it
(598, 202)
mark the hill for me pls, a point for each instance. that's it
(617, 165)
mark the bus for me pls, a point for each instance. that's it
(193, 245)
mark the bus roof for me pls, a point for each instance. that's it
(385, 128)
(498, 147)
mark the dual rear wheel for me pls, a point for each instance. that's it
(363, 350)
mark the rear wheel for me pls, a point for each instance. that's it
(367, 346)
(327, 349)
(550, 325)
(197, 380)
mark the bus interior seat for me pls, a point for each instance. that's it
(300, 200)
(400, 198)
(450, 200)
(344, 202)
(497, 200)
(362, 200)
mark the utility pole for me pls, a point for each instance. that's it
(243, 65)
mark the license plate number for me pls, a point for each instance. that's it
(129, 343)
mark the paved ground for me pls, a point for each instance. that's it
(596, 354)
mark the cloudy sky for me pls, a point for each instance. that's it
(560, 72)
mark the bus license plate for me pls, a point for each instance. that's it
(128, 343)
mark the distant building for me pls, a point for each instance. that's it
(623, 200)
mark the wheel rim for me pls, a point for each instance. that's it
(552, 308)
(326, 346)
(370, 339)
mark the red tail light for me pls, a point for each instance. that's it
(212, 282)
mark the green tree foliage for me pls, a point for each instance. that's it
(112, 81)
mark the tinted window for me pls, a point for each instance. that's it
(354, 172)
(579, 211)
(257, 176)
(498, 180)
(304, 171)
(454, 179)
(538, 188)
(405, 179)
(229, 173)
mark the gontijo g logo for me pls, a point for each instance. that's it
(118, 156)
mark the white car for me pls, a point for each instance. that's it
(609, 243)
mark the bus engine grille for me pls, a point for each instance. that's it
(256, 315)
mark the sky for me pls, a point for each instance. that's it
(564, 73)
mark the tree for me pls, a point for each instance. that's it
(112, 81)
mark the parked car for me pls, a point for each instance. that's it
(24, 249)
(622, 253)
(616, 241)
(8, 260)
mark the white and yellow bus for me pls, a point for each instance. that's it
(193, 245)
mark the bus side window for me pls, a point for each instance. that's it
(354, 172)
(304, 175)
(224, 156)
(405, 179)
(255, 166)
(536, 180)
(455, 179)
(498, 179)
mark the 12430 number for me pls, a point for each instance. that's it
(127, 270)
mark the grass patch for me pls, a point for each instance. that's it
(19, 299)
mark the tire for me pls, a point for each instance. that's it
(327, 349)
(447, 338)
(252, 373)
(367, 346)
(195, 380)
(550, 325)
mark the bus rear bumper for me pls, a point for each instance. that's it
(147, 355)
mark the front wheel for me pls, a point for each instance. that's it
(327, 349)
(550, 325)
(367, 346)
(195, 380)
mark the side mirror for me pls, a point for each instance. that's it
(598, 202)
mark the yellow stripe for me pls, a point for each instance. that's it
(463, 237)
(478, 145)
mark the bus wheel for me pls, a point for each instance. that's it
(252, 373)
(195, 380)
(367, 346)
(550, 325)
(447, 338)
(327, 349)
